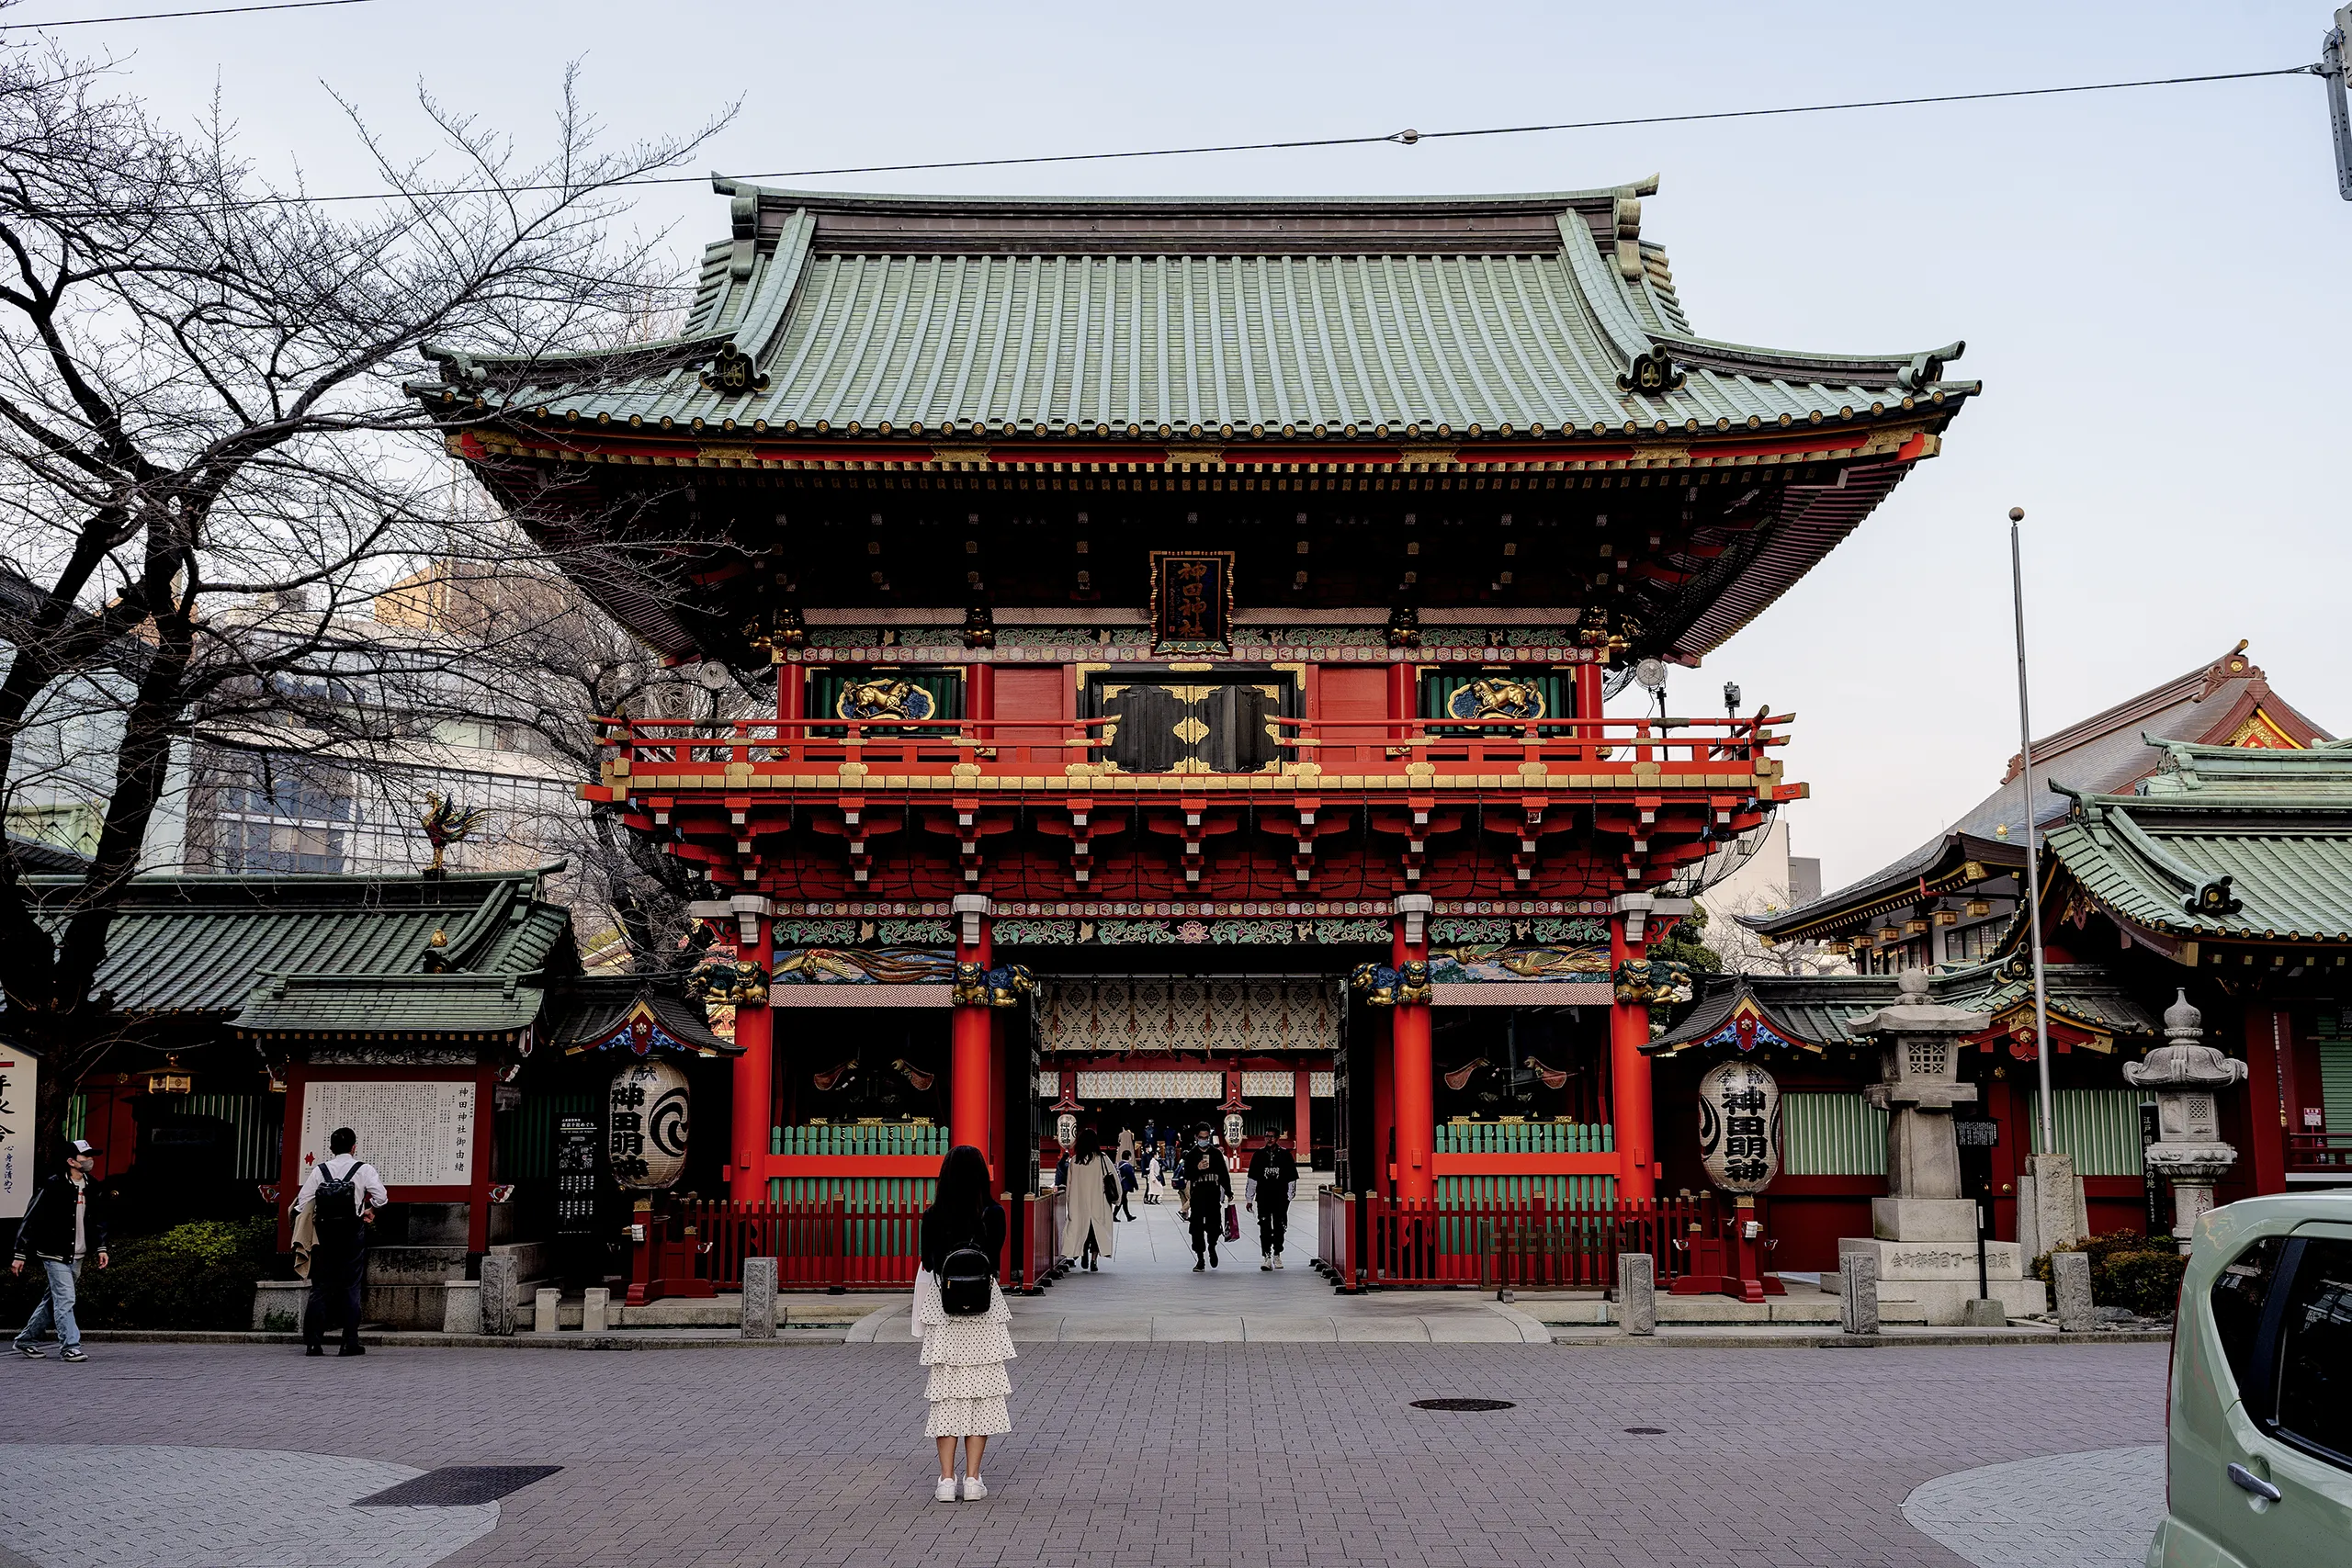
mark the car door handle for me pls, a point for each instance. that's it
(2247, 1481)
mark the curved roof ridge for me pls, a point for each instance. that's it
(844, 200)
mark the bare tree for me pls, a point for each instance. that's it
(549, 660)
(209, 462)
(1744, 949)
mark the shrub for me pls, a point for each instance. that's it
(2139, 1273)
(2146, 1281)
(198, 1275)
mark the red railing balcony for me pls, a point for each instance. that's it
(687, 755)
(2320, 1152)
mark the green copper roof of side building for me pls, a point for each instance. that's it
(238, 947)
(1020, 315)
(2222, 842)
(1825, 1010)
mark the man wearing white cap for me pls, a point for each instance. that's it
(64, 1224)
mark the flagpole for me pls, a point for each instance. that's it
(2033, 848)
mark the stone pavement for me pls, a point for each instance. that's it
(221, 1507)
(1179, 1454)
(2088, 1510)
(1146, 1292)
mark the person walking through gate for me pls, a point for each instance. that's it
(967, 1335)
(1127, 1184)
(66, 1222)
(340, 1195)
(1273, 1177)
(1093, 1183)
(1207, 1183)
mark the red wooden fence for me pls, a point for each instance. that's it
(1532, 1244)
(698, 1248)
(1336, 1223)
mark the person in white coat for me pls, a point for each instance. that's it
(967, 1383)
(1092, 1180)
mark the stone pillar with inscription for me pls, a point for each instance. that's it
(1923, 1233)
(2186, 1073)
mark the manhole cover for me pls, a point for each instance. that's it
(1645, 1431)
(1465, 1404)
(458, 1487)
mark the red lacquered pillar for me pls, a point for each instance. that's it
(1629, 1070)
(971, 1038)
(2266, 1046)
(1588, 682)
(1409, 1049)
(754, 1079)
(1302, 1137)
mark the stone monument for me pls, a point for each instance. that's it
(2186, 1073)
(1923, 1233)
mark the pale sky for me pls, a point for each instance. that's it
(2143, 278)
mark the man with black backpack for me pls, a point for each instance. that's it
(340, 1195)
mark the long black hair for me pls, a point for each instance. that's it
(1090, 1144)
(958, 1209)
(963, 1185)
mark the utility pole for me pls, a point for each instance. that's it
(2033, 839)
(2332, 62)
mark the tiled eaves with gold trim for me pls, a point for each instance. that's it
(1767, 788)
(1839, 445)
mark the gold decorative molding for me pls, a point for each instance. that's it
(1205, 456)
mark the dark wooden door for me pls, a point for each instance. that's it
(1174, 725)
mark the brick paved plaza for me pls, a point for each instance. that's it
(1122, 1453)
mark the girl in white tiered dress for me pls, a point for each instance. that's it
(966, 1356)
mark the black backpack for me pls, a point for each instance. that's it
(966, 1281)
(334, 1205)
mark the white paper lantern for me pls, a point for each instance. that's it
(1739, 1126)
(645, 1125)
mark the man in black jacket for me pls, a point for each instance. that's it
(1274, 1175)
(66, 1222)
(1207, 1182)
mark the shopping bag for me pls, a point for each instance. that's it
(1232, 1222)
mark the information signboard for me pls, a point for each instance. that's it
(20, 1163)
(416, 1133)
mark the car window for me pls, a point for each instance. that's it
(2239, 1295)
(2315, 1352)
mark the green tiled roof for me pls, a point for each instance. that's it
(205, 944)
(391, 1004)
(1823, 1009)
(1489, 312)
(2222, 841)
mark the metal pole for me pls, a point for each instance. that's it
(2032, 851)
(2331, 73)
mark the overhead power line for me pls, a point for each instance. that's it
(170, 16)
(1404, 137)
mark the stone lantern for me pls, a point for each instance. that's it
(1923, 1233)
(2185, 1073)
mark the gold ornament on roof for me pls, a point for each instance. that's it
(444, 823)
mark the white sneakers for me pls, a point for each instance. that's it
(974, 1489)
